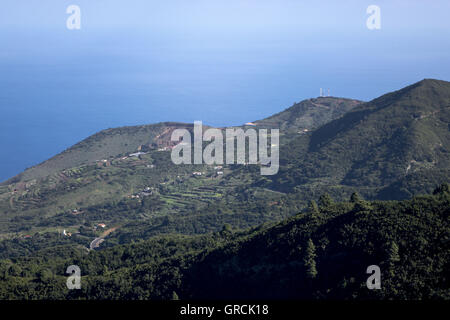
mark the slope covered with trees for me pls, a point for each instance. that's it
(309, 114)
(320, 253)
(169, 232)
(398, 144)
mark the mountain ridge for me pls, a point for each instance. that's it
(309, 113)
(392, 147)
(134, 137)
(381, 141)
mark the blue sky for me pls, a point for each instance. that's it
(222, 62)
(181, 44)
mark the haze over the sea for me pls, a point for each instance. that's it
(222, 62)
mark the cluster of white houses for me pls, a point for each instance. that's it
(147, 191)
(69, 234)
(218, 169)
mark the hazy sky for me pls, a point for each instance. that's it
(222, 62)
(231, 15)
(179, 43)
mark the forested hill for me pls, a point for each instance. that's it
(183, 230)
(397, 144)
(321, 253)
(392, 148)
(309, 114)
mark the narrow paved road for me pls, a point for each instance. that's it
(96, 243)
(11, 202)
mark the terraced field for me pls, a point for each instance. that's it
(111, 191)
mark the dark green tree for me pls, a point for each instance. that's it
(226, 230)
(393, 257)
(443, 188)
(359, 203)
(355, 197)
(325, 201)
(310, 260)
(175, 296)
(313, 208)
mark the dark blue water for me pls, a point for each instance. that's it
(58, 87)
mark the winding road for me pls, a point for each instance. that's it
(97, 241)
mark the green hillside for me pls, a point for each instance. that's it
(401, 136)
(113, 143)
(169, 232)
(98, 176)
(321, 253)
(390, 148)
(309, 114)
(106, 144)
